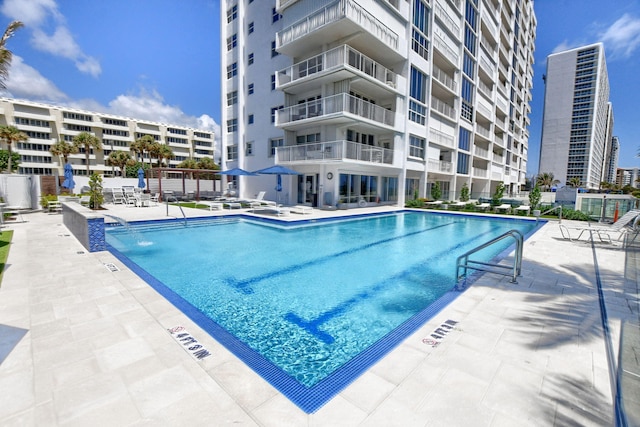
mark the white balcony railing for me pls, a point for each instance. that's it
(335, 104)
(484, 131)
(336, 11)
(439, 166)
(480, 173)
(441, 138)
(443, 108)
(497, 158)
(334, 150)
(340, 57)
(498, 139)
(480, 152)
(442, 14)
(444, 78)
(442, 46)
(486, 111)
(485, 88)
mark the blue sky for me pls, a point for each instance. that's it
(159, 59)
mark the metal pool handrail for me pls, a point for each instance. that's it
(465, 263)
(168, 196)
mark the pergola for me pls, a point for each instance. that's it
(154, 173)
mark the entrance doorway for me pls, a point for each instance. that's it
(308, 189)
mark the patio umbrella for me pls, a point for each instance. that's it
(236, 172)
(141, 178)
(279, 171)
(68, 177)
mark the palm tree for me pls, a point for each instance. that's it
(142, 144)
(87, 141)
(189, 164)
(11, 134)
(574, 181)
(5, 54)
(120, 159)
(546, 180)
(165, 153)
(63, 149)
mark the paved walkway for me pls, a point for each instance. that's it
(81, 345)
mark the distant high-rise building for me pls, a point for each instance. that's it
(612, 163)
(374, 100)
(578, 118)
(628, 176)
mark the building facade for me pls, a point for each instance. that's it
(628, 176)
(46, 124)
(578, 118)
(376, 100)
(612, 160)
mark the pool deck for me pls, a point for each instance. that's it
(81, 344)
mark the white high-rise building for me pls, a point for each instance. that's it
(374, 101)
(46, 124)
(578, 118)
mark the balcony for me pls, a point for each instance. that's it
(447, 51)
(337, 108)
(443, 108)
(484, 131)
(498, 139)
(439, 166)
(448, 22)
(481, 152)
(441, 138)
(444, 78)
(31, 128)
(334, 151)
(498, 158)
(343, 60)
(332, 22)
(479, 173)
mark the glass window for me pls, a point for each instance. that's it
(232, 70)
(232, 41)
(274, 52)
(250, 59)
(248, 148)
(418, 89)
(250, 119)
(468, 65)
(273, 144)
(232, 98)
(250, 89)
(464, 139)
(250, 27)
(232, 125)
(463, 163)
(421, 16)
(275, 16)
(232, 152)
(232, 13)
(273, 82)
(416, 147)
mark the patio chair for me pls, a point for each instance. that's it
(117, 196)
(211, 205)
(483, 207)
(434, 204)
(154, 198)
(299, 209)
(623, 225)
(505, 207)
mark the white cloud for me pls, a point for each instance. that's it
(36, 15)
(565, 45)
(622, 38)
(26, 82)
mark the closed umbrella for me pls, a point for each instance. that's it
(141, 183)
(279, 171)
(68, 177)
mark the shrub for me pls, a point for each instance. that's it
(496, 199)
(464, 193)
(435, 191)
(95, 191)
(534, 197)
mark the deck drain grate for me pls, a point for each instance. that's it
(111, 267)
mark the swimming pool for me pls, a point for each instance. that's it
(311, 305)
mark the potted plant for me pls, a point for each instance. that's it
(534, 200)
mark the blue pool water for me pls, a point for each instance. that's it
(310, 298)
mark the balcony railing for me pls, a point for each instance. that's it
(480, 152)
(442, 46)
(484, 131)
(485, 88)
(441, 138)
(480, 173)
(335, 104)
(439, 166)
(342, 56)
(442, 14)
(443, 78)
(498, 139)
(485, 112)
(443, 108)
(334, 12)
(497, 158)
(334, 150)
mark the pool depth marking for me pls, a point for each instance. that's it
(244, 286)
(313, 326)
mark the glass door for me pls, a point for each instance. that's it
(308, 189)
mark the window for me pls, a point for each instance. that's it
(464, 138)
(248, 148)
(463, 163)
(421, 16)
(232, 98)
(471, 16)
(177, 131)
(232, 70)
(418, 92)
(468, 65)
(250, 27)
(250, 59)
(114, 122)
(232, 41)
(273, 82)
(250, 119)
(115, 132)
(470, 40)
(274, 52)
(76, 116)
(250, 89)
(232, 152)
(273, 112)
(416, 147)
(275, 16)
(466, 106)
(273, 144)
(232, 125)
(308, 139)
(420, 44)
(232, 13)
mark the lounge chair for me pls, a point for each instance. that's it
(54, 206)
(621, 226)
(299, 209)
(211, 205)
(483, 207)
(117, 196)
(433, 204)
(505, 207)
(524, 209)
(457, 205)
(259, 201)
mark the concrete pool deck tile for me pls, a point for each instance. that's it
(515, 340)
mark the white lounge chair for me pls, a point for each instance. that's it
(505, 207)
(433, 204)
(621, 226)
(117, 196)
(259, 201)
(211, 205)
(300, 209)
(524, 209)
(483, 207)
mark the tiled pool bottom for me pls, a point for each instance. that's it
(309, 399)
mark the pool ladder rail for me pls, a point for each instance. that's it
(465, 263)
